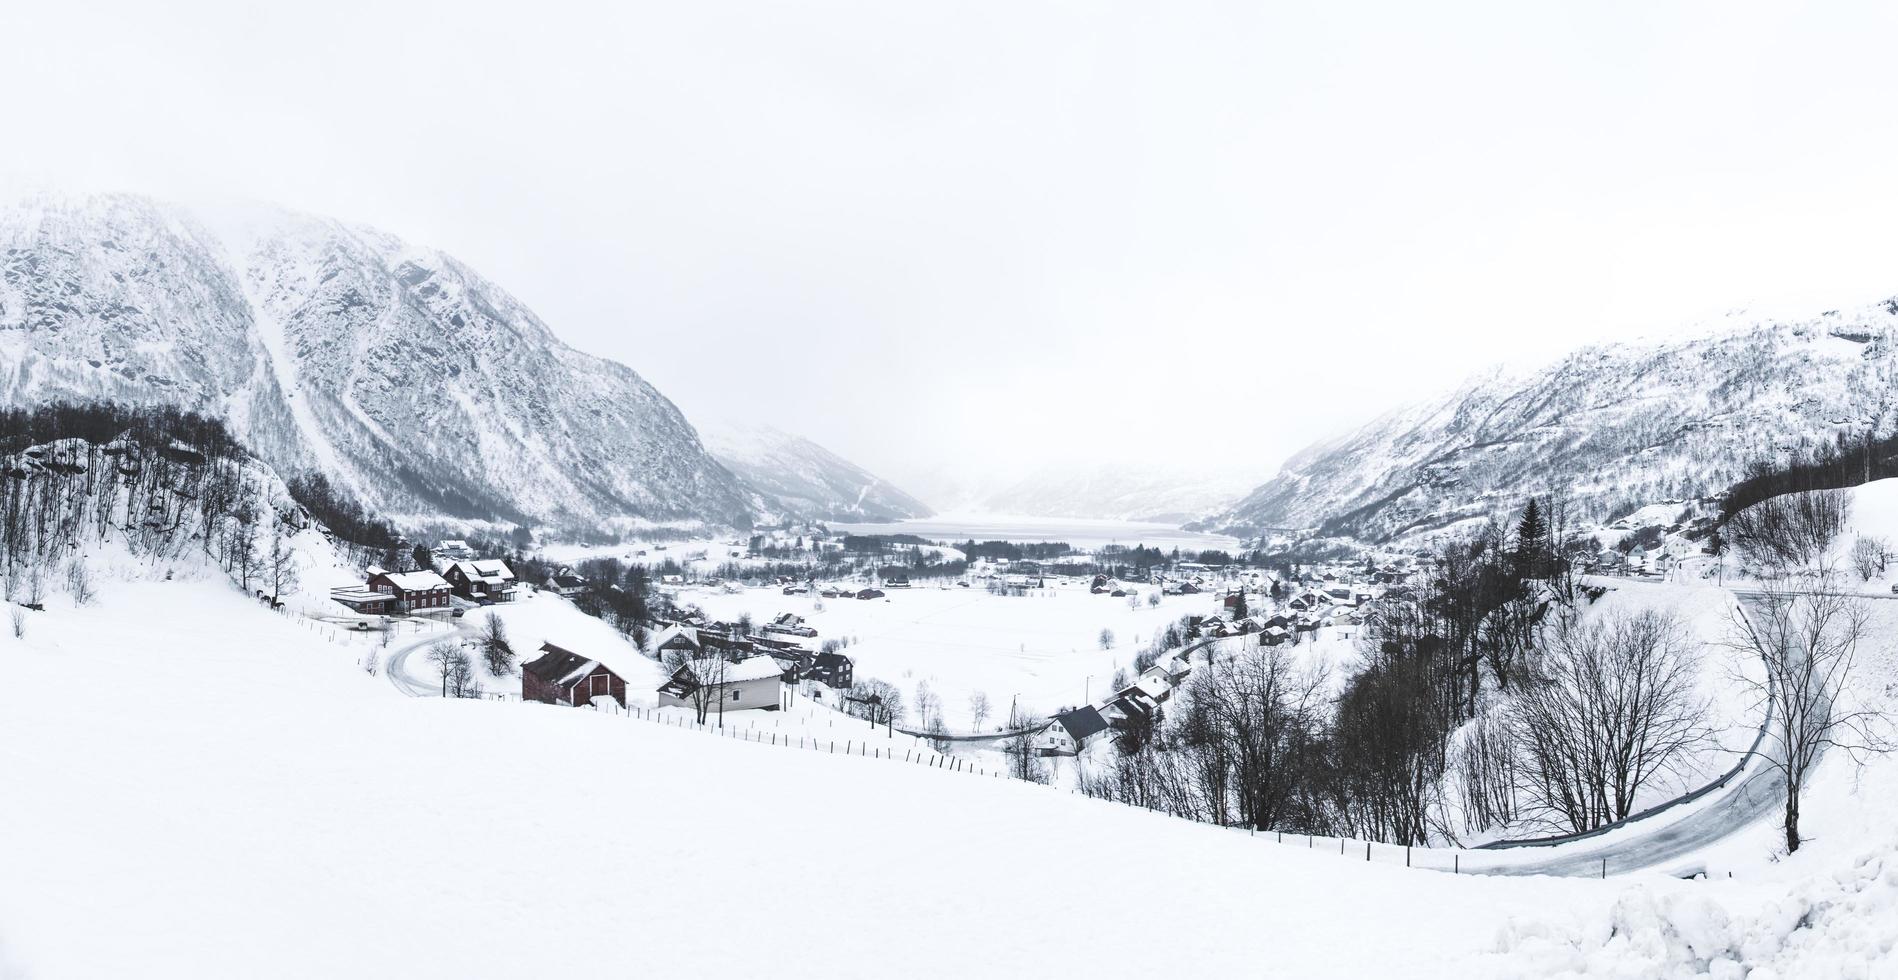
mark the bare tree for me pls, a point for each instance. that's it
(461, 677)
(1106, 638)
(79, 583)
(449, 661)
(876, 701)
(1611, 707)
(280, 564)
(1868, 557)
(495, 649)
(18, 616)
(1790, 531)
(1024, 761)
(704, 680)
(1484, 762)
(928, 704)
(1808, 643)
(979, 708)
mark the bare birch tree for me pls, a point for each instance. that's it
(1808, 642)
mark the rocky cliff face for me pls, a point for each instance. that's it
(396, 370)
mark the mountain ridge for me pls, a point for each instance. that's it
(426, 390)
(1607, 427)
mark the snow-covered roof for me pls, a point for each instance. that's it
(708, 670)
(489, 571)
(415, 581)
(688, 633)
(558, 665)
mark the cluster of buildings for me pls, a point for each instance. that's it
(474, 580)
(1071, 730)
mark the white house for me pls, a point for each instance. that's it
(753, 684)
(1070, 731)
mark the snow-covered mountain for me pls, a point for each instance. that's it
(396, 370)
(803, 479)
(1609, 427)
(1160, 492)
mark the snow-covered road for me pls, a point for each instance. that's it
(1671, 845)
(397, 666)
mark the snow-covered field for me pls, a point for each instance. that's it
(1043, 647)
(198, 787)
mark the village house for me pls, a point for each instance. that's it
(411, 591)
(1070, 731)
(560, 676)
(453, 549)
(832, 670)
(481, 580)
(790, 624)
(678, 638)
(565, 585)
(753, 684)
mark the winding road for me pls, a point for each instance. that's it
(1757, 794)
(396, 666)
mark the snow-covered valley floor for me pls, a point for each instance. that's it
(198, 787)
(194, 786)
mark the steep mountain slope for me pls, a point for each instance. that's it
(802, 478)
(1608, 427)
(398, 371)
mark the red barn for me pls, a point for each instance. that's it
(560, 676)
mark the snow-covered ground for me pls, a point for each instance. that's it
(1043, 648)
(240, 792)
(239, 798)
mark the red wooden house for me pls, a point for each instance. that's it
(560, 676)
(411, 590)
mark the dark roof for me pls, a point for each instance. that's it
(554, 664)
(1081, 722)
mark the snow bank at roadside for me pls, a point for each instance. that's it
(1840, 925)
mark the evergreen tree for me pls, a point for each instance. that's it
(1532, 542)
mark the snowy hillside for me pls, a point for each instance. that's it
(1610, 427)
(396, 370)
(803, 479)
(261, 800)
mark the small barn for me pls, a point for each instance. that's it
(560, 676)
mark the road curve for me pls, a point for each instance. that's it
(1759, 794)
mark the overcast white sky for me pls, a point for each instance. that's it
(961, 236)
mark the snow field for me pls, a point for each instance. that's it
(1043, 648)
(242, 799)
